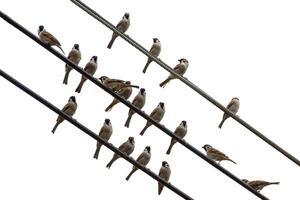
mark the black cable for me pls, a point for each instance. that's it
(184, 80)
(128, 104)
(92, 134)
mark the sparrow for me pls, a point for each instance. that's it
(115, 84)
(157, 114)
(164, 173)
(259, 185)
(127, 148)
(124, 92)
(75, 57)
(139, 102)
(233, 106)
(143, 159)
(215, 154)
(69, 109)
(154, 51)
(105, 133)
(180, 131)
(90, 68)
(180, 69)
(122, 26)
(48, 38)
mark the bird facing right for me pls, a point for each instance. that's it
(90, 68)
(180, 131)
(180, 69)
(215, 154)
(122, 26)
(105, 133)
(143, 159)
(48, 38)
(164, 173)
(138, 101)
(233, 106)
(157, 114)
(259, 185)
(127, 148)
(75, 57)
(154, 51)
(69, 109)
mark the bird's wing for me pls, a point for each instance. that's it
(67, 106)
(217, 152)
(230, 104)
(51, 38)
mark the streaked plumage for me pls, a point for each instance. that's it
(69, 109)
(105, 133)
(154, 51)
(122, 26)
(180, 131)
(259, 185)
(139, 101)
(75, 57)
(233, 106)
(48, 38)
(143, 159)
(215, 154)
(157, 114)
(179, 69)
(124, 92)
(90, 68)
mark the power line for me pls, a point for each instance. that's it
(92, 134)
(184, 80)
(128, 104)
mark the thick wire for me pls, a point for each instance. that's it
(184, 80)
(128, 104)
(92, 134)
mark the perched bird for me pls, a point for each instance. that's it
(122, 26)
(215, 154)
(157, 114)
(115, 84)
(124, 92)
(139, 101)
(90, 68)
(105, 133)
(259, 185)
(127, 148)
(143, 159)
(164, 173)
(154, 51)
(48, 38)
(180, 131)
(69, 109)
(179, 69)
(75, 57)
(233, 106)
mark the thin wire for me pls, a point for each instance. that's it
(128, 104)
(184, 80)
(92, 134)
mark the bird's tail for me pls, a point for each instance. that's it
(55, 127)
(96, 154)
(130, 174)
(170, 148)
(127, 123)
(61, 49)
(146, 66)
(164, 83)
(231, 160)
(222, 122)
(274, 183)
(111, 42)
(110, 106)
(111, 162)
(66, 76)
(160, 188)
(144, 129)
(79, 87)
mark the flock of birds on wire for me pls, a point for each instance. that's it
(124, 89)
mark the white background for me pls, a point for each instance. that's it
(248, 49)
